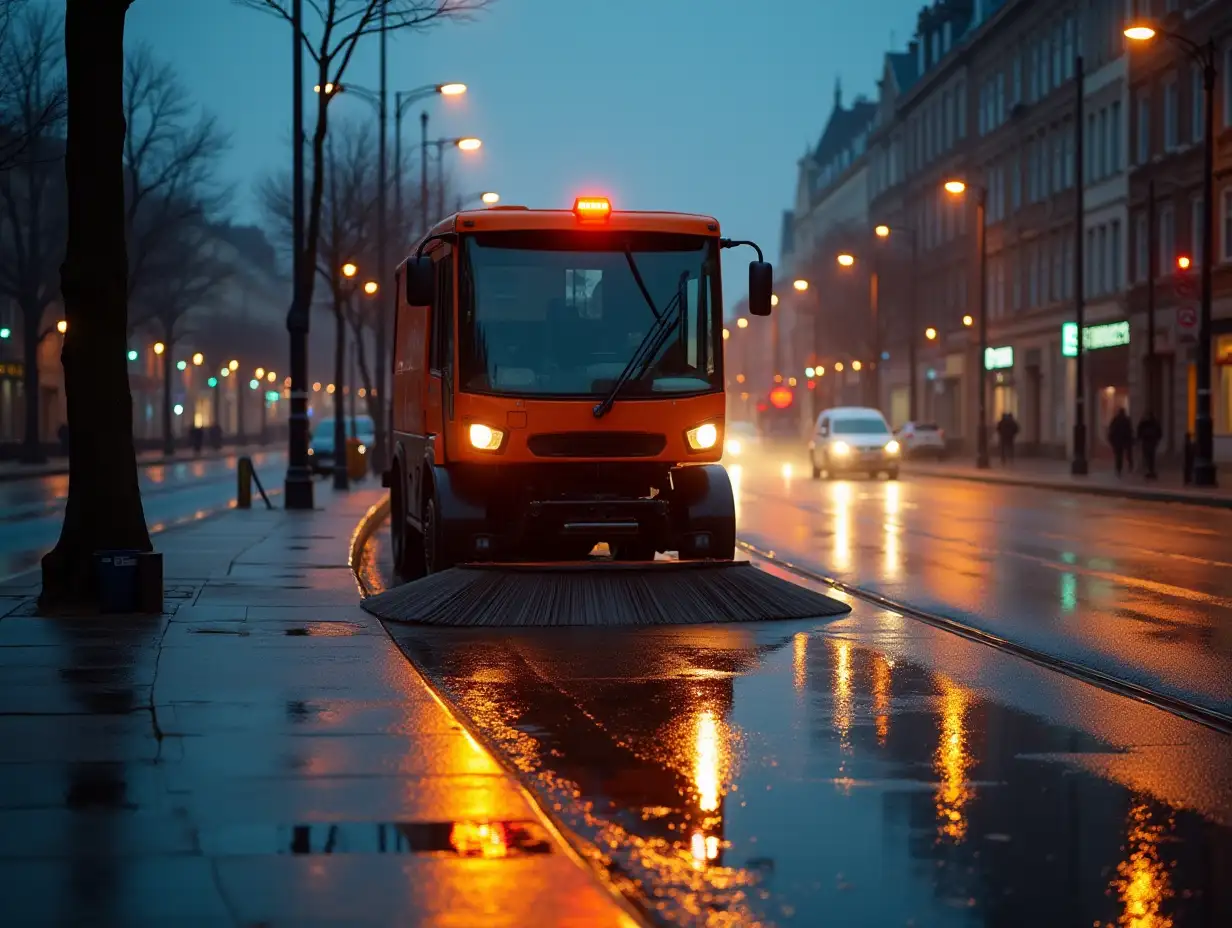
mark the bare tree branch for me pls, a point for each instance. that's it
(33, 99)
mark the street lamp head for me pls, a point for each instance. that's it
(955, 187)
(774, 301)
(62, 326)
(1140, 33)
(846, 260)
(838, 367)
(968, 321)
(233, 364)
(371, 287)
(271, 376)
(198, 359)
(469, 144)
(882, 231)
(930, 333)
(159, 347)
(350, 269)
(259, 373)
(490, 197)
(800, 284)
(742, 323)
(451, 90)
(856, 365)
(726, 333)
(330, 88)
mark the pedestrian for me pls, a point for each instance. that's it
(1150, 433)
(1007, 431)
(1121, 437)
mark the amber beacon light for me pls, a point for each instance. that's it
(592, 207)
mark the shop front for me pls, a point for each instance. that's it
(999, 363)
(1222, 411)
(1106, 359)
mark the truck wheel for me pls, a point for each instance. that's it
(406, 542)
(435, 555)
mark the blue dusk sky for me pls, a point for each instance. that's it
(692, 105)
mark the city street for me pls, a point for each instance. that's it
(791, 773)
(31, 510)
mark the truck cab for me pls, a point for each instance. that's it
(557, 383)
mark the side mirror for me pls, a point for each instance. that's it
(420, 281)
(761, 284)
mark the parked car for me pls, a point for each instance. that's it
(922, 439)
(321, 447)
(853, 439)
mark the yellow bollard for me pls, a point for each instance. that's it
(357, 459)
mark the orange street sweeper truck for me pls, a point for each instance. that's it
(558, 382)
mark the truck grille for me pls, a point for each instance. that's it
(597, 445)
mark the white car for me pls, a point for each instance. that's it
(922, 439)
(853, 439)
(321, 448)
(739, 438)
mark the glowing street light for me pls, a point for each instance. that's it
(839, 367)
(62, 326)
(233, 364)
(371, 287)
(330, 88)
(742, 323)
(350, 269)
(726, 333)
(259, 373)
(800, 284)
(491, 197)
(846, 260)
(856, 365)
(956, 187)
(224, 372)
(198, 359)
(968, 321)
(469, 144)
(159, 347)
(930, 333)
(1140, 33)
(882, 231)
(453, 89)
(271, 376)
(774, 301)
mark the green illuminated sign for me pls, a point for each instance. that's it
(998, 359)
(1094, 337)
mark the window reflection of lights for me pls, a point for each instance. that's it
(712, 847)
(951, 763)
(706, 762)
(799, 660)
(697, 847)
(842, 694)
(881, 696)
(1142, 879)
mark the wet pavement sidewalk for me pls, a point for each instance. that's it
(57, 465)
(262, 755)
(1102, 480)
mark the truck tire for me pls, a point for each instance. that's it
(406, 542)
(703, 504)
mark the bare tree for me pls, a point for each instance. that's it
(104, 511)
(32, 94)
(331, 44)
(32, 218)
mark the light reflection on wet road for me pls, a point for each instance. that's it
(1135, 589)
(872, 771)
(31, 510)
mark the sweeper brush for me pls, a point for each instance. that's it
(604, 594)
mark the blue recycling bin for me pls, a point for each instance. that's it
(117, 580)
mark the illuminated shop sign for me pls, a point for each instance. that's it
(998, 359)
(1094, 337)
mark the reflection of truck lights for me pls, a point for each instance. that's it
(479, 839)
(704, 847)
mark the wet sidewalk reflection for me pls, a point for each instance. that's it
(785, 775)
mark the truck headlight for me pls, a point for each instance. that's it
(841, 449)
(703, 437)
(484, 437)
(892, 447)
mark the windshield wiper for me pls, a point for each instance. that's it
(650, 344)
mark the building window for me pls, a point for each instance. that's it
(1195, 233)
(1197, 114)
(1089, 162)
(1144, 126)
(1172, 129)
(1067, 157)
(1016, 81)
(1115, 165)
(1089, 284)
(1032, 277)
(1114, 256)
(1033, 91)
(1058, 69)
(1142, 247)
(961, 96)
(1067, 266)
(1167, 239)
(1069, 47)
(1101, 146)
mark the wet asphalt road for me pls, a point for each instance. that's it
(874, 770)
(1138, 590)
(31, 510)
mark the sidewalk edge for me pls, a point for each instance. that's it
(568, 840)
(1145, 494)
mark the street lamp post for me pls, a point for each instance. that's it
(885, 232)
(958, 188)
(1079, 466)
(1204, 472)
(298, 485)
(423, 169)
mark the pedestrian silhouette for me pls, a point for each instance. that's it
(1150, 433)
(1007, 431)
(1121, 438)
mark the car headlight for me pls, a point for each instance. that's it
(702, 438)
(892, 447)
(841, 448)
(484, 437)
(732, 446)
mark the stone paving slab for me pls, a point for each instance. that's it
(234, 761)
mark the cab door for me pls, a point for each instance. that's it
(439, 401)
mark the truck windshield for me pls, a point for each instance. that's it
(561, 314)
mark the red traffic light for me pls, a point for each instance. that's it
(781, 397)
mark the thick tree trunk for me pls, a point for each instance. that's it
(32, 443)
(104, 509)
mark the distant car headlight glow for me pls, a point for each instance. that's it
(484, 437)
(732, 446)
(703, 437)
(892, 447)
(841, 449)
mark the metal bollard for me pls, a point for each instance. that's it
(243, 490)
